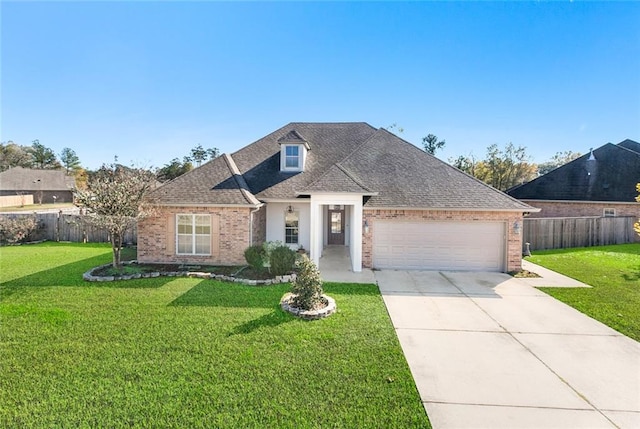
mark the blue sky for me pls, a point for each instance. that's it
(147, 81)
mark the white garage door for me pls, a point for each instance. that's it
(430, 245)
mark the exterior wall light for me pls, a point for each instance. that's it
(366, 226)
(516, 228)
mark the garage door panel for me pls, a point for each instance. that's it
(439, 245)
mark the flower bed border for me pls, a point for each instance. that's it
(328, 310)
(88, 276)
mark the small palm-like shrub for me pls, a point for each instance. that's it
(307, 287)
(282, 260)
(255, 256)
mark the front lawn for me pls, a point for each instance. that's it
(186, 352)
(614, 273)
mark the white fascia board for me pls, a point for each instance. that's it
(451, 209)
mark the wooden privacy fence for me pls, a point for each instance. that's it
(560, 233)
(72, 227)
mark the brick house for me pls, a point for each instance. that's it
(314, 185)
(46, 186)
(600, 183)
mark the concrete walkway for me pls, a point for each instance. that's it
(335, 266)
(490, 351)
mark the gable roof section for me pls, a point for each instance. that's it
(406, 176)
(343, 157)
(337, 179)
(218, 182)
(630, 144)
(329, 143)
(26, 179)
(612, 176)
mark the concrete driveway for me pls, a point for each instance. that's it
(490, 351)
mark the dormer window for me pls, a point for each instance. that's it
(293, 152)
(292, 157)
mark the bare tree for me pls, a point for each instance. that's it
(116, 198)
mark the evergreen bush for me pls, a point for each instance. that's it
(307, 287)
(282, 260)
(254, 256)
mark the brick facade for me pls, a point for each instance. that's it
(230, 236)
(581, 208)
(514, 242)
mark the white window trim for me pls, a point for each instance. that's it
(283, 157)
(611, 209)
(296, 244)
(193, 234)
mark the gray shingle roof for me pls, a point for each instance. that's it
(343, 157)
(26, 179)
(213, 183)
(611, 176)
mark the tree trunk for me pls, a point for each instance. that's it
(116, 244)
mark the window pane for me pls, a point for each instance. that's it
(336, 223)
(291, 151)
(203, 244)
(185, 244)
(291, 162)
(184, 224)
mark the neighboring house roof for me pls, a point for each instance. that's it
(608, 173)
(20, 179)
(343, 157)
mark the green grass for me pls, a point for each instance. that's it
(614, 273)
(185, 352)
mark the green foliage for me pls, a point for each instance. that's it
(43, 157)
(16, 230)
(186, 352)
(70, 160)
(174, 169)
(199, 154)
(502, 168)
(431, 144)
(14, 155)
(282, 260)
(254, 256)
(614, 274)
(307, 286)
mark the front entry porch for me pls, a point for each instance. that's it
(335, 266)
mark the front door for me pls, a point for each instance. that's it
(336, 227)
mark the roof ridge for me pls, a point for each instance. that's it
(239, 179)
(351, 176)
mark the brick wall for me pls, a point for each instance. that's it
(514, 242)
(229, 236)
(581, 209)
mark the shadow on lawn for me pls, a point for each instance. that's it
(271, 320)
(221, 294)
(70, 275)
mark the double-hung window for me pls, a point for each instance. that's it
(193, 234)
(292, 157)
(291, 221)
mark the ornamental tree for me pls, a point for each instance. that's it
(116, 198)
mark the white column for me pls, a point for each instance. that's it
(356, 237)
(315, 233)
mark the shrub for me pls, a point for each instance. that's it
(255, 256)
(307, 287)
(282, 260)
(18, 229)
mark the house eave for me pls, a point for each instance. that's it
(364, 194)
(453, 209)
(533, 200)
(249, 206)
